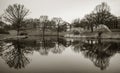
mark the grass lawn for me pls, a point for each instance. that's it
(104, 35)
(34, 34)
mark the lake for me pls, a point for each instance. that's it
(60, 55)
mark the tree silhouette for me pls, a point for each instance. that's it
(100, 15)
(15, 14)
(104, 16)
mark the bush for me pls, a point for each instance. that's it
(76, 32)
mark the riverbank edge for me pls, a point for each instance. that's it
(90, 35)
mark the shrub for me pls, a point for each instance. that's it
(76, 32)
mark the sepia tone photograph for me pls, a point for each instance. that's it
(59, 36)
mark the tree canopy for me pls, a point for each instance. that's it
(15, 14)
(100, 15)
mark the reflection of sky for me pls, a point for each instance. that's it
(67, 9)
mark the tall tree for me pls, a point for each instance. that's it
(15, 14)
(100, 15)
(104, 16)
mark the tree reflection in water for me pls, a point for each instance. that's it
(13, 54)
(59, 46)
(97, 51)
(44, 46)
(47, 45)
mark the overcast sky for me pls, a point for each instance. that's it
(66, 9)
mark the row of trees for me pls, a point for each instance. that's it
(100, 15)
(15, 15)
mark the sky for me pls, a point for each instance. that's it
(68, 10)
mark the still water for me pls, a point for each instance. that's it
(60, 55)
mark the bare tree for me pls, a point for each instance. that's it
(100, 15)
(43, 21)
(91, 20)
(58, 21)
(103, 7)
(15, 14)
(104, 16)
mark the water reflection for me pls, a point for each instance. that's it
(14, 52)
(45, 46)
(97, 51)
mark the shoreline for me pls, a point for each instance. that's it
(85, 35)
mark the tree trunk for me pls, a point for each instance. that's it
(91, 28)
(58, 31)
(43, 31)
(18, 29)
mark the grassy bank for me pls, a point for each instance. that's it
(34, 32)
(109, 35)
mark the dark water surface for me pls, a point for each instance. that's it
(60, 55)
